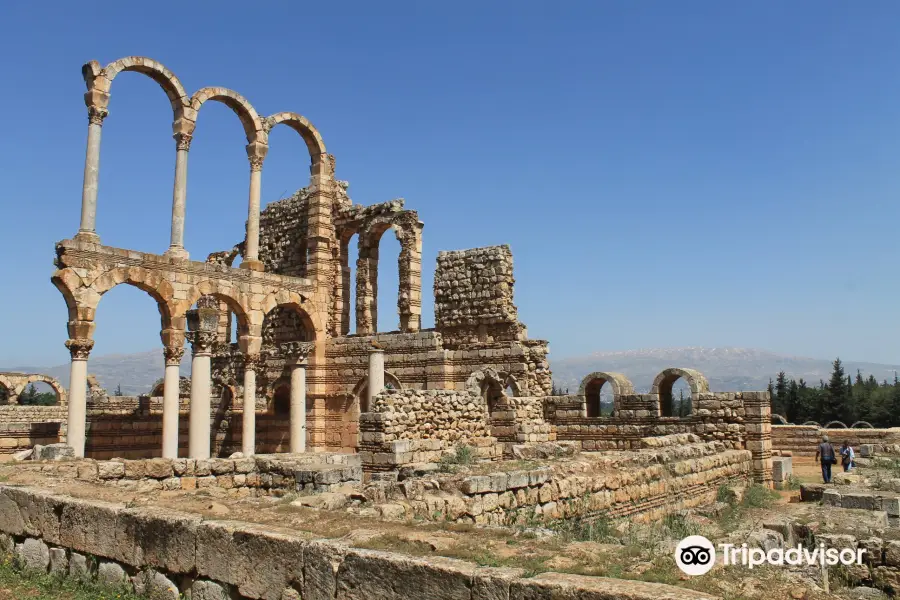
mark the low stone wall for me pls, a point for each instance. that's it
(803, 440)
(251, 476)
(164, 553)
(670, 474)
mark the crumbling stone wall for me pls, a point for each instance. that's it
(283, 229)
(666, 475)
(473, 296)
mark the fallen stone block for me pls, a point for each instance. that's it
(52, 452)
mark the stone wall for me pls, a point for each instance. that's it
(164, 553)
(473, 296)
(803, 440)
(738, 420)
(668, 474)
(246, 476)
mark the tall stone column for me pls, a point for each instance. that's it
(171, 401)
(409, 301)
(256, 153)
(96, 102)
(248, 435)
(202, 334)
(183, 129)
(295, 354)
(376, 375)
(366, 285)
(79, 349)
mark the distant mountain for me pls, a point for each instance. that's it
(136, 373)
(727, 369)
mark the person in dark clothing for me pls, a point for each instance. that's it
(825, 454)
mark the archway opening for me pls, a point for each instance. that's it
(675, 399)
(137, 158)
(598, 397)
(5, 394)
(281, 400)
(217, 182)
(349, 255)
(387, 284)
(39, 393)
(493, 395)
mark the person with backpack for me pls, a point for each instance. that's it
(825, 454)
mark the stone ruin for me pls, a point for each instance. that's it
(311, 406)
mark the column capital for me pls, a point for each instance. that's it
(79, 348)
(201, 342)
(183, 141)
(252, 362)
(96, 115)
(256, 153)
(296, 351)
(173, 355)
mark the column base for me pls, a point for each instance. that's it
(89, 237)
(252, 265)
(177, 252)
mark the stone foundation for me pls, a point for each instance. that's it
(167, 553)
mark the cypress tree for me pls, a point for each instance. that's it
(835, 401)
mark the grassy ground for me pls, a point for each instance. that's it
(16, 585)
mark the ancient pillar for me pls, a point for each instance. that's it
(256, 153)
(758, 435)
(367, 285)
(184, 129)
(171, 401)
(295, 354)
(248, 432)
(409, 301)
(79, 349)
(96, 102)
(376, 375)
(202, 334)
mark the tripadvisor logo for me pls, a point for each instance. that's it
(696, 555)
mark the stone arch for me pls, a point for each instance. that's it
(360, 390)
(835, 425)
(101, 79)
(781, 420)
(53, 383)
(811, 423)
(148, 281)
(301, 125)
(592, 384)
(662, 387)
(298, 303)
(248, 116)
(279, 396)
(236, 303)
(488, 384)
(862, 425)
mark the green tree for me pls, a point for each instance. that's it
(118, 390)
(780, 398)
(835, 404)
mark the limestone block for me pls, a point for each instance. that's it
(155, 586)
(159, 468)
(831, 497)
(53, 452)
(80, 566)
(59, 561)
(811, 492)
(111, 573)
(321, 563)
(867, 450)
(559, 585)
(209, 590)
(33, 554)
(890, 505)
(863, 500)
(89, 527)
(38, 510)
(259, 562)
(110, 470)
(366, 574)
(782, 468)
(157, 538)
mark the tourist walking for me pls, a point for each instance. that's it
(825, 454)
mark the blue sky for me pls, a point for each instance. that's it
(667, 174)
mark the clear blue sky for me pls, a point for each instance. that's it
(666, 173)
